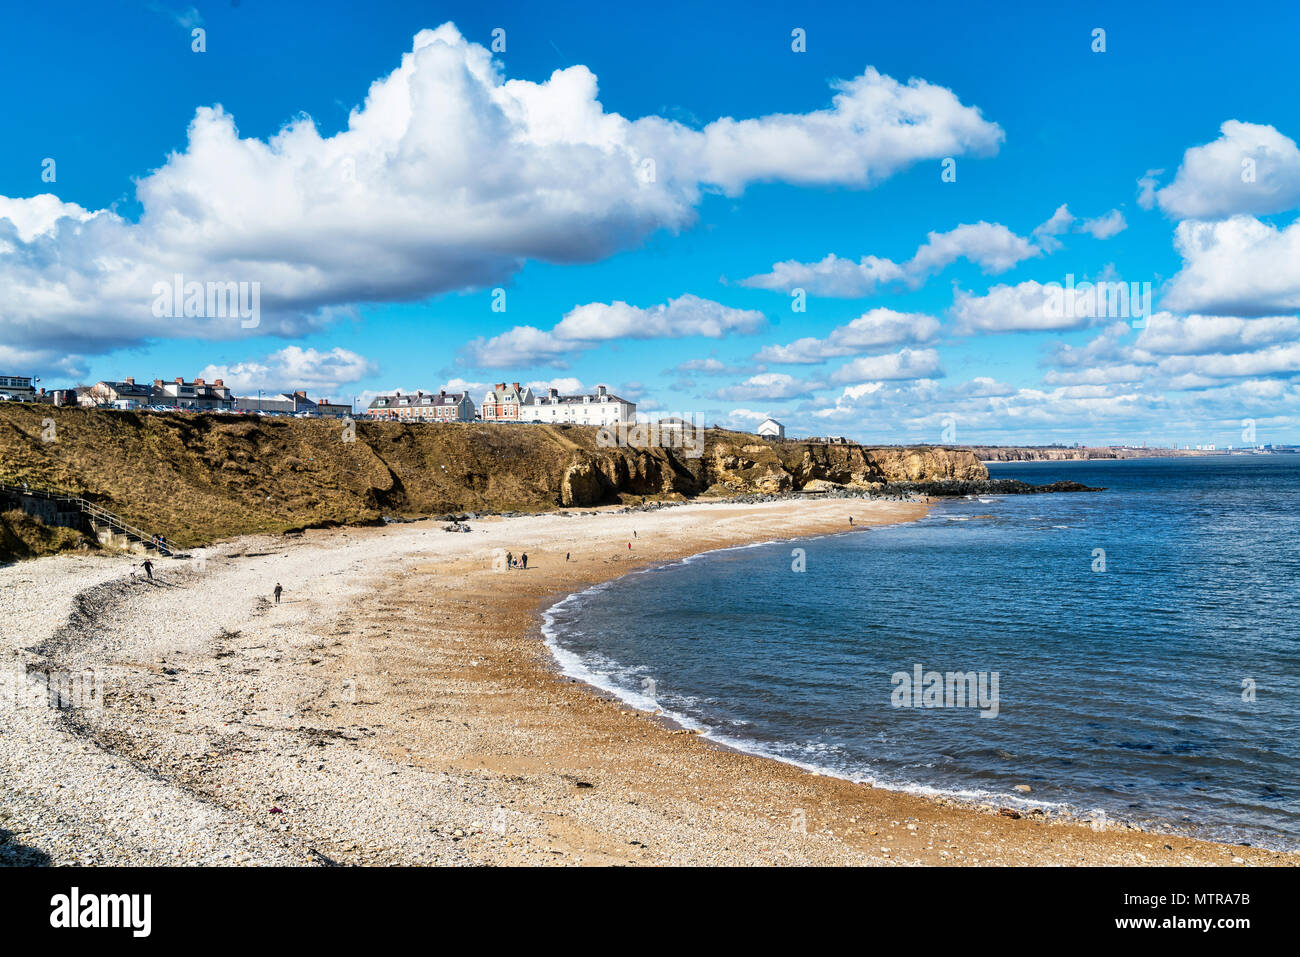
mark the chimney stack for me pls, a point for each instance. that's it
(516, 385)
(157, 383)
(199, 382)
(220, 384)
(600, 390)
(129, 380)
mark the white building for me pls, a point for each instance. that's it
(771, 429)
(599, 408)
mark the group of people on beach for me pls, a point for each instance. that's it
(520, 562)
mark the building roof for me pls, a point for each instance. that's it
(553, 397)
(508, 391)
(591, 399)
(418, 399)
(128, 388)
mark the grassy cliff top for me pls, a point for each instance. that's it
(197, 478)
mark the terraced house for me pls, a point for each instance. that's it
(199, 394)
(124, 394)
(442, 406)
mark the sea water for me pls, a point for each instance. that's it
(1144, 642)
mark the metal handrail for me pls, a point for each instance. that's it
(91, 509)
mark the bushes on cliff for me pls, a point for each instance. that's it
(26, 536)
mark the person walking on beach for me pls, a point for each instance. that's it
(278, 591)
(524, 559)
(148, 568)
(850, 521)
(510, 560)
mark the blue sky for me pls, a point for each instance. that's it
(421, 171)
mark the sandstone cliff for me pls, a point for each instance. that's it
(198, 478)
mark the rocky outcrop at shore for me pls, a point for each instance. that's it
(735, 464)
(951, 489)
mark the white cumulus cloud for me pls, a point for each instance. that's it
(876, 329)
(904, 364)
(586, 326)
(294, 368)
(1250, 169)
(991, 246)
(450, 176)
(1237, 266)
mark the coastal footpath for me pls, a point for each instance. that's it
(399, 707)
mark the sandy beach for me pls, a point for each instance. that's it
(400, 707)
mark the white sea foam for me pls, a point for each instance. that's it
(603, 674)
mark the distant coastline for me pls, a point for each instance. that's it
(1060, 453)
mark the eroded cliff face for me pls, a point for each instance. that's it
(928, 464)
(198, 478)
(733, 463)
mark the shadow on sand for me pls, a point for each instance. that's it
(14, 854)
